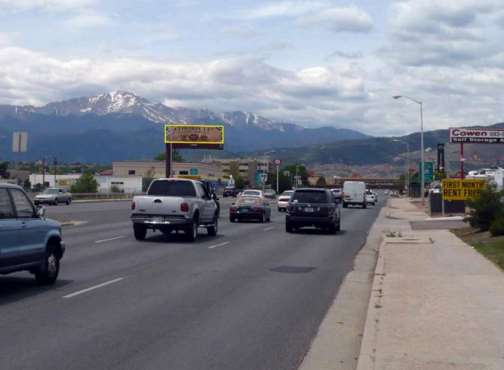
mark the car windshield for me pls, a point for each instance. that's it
(310, 196)
(51, 191)
(254, 193)
(172, 188)
(287, 193)
(249, 201)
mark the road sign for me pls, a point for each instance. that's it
(458, 189)
(195, 136)
(428, 172)
(19, 142)
(277, 162)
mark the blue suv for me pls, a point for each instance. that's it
(28, 241)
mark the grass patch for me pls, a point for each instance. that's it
(489, 246)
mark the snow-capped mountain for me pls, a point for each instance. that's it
(125, 102)
(121, 125)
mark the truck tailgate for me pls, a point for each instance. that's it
(153, 205)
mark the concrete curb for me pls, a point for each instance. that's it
(367, 356)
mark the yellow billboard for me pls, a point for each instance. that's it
(458, 189)
(195, 136)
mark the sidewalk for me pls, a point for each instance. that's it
(436, 303)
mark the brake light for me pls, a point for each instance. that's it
(133, 206)
(184, 207)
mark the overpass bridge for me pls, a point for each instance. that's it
(373, 183)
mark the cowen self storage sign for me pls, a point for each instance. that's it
(476, 136)
(457, 189)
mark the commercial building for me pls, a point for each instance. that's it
(155, 169)
(106, 184)
(249, 169)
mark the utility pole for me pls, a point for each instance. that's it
(43, 172)
(55, 164)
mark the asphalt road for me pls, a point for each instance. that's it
(250, 298)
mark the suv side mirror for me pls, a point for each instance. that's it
(41, 212)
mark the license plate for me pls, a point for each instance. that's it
(308, 209)
(243, 210)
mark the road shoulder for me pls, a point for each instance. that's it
(338, 340)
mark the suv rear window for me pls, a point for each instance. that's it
(310, 196)
(172, 188)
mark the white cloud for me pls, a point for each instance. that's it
(227, 84)
(47, 5)
(315, 13)
(341, 19)
(87, 20)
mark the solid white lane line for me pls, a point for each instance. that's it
(71, 295)
(218, 245)
(108, 240)
(269, 228)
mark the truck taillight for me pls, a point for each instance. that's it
(133, 205)
(184, 207)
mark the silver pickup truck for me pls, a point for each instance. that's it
(175, 204)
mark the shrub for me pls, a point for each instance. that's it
(485, 209)
(497, 226)
(85, 184)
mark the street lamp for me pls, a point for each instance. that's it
(408, 161)
(422, 171)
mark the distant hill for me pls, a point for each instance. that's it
(121, 126)
(387, 150)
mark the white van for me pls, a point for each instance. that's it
(354, 192)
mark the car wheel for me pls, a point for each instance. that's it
(338, 226)
(288, 227)
(192, 231)
(49, 270)
(140, 232)
(345, 205)
(263, 218)
(364, 205)
(68, 202)
(231, 219)
(213, 230)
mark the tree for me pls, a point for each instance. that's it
(85, 184)
(239, 182)
(486, 209)
(176, 157)
(4, 166)
(321, 183)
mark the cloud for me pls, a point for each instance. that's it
(340, 19)
(225, 84)
(87, 20)
(315, 13)
(46, 5)
(345, 55)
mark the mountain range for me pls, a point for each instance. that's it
(122, 126)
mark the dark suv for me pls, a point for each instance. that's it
(313, 207)
(28, 241)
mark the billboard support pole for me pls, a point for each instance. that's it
(168, 160)
(462, 160)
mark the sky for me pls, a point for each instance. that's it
(315, 63)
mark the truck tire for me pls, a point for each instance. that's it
(214, 229)
(48, 272)
(364, 205)
(140, 232)
(192, 230)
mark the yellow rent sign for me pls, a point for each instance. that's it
(457, 189)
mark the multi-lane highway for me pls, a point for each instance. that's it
(250, 298)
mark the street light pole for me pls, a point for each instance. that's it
(422, 170)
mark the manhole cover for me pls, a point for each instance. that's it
(293, 269)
